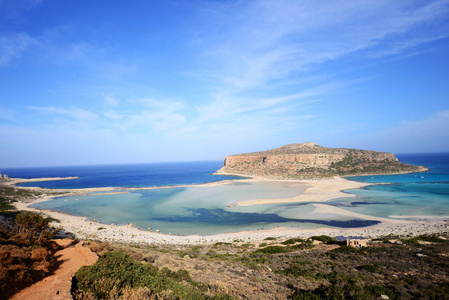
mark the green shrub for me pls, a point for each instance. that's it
(5, 205)
(271, 250)
(343, 287)
(323, 238)
(438, 291)
(343, 250)
(303, 245)
(292, 241)
(377, 290)
(222, 244)
(253, 261)
(296, 271)
(115, 271)
(368, 268)
(425, 238)
(409, 280)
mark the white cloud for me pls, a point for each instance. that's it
(13, 8)
(260, 59)
(110, 101)
(76, 114)
(12, 46)
(261, 41)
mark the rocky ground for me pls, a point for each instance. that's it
(415, 268)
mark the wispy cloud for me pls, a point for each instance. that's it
(236, 73)
(265, 40)
(12, 42)
(76, 114)
(11, 9)
(265, 45)
(12, 45)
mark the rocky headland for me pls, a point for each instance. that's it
(309, 160)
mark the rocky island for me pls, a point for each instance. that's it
(309, 160)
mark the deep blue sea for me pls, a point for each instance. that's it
(126, 175)
(210, 210)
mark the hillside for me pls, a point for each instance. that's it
(309, 160)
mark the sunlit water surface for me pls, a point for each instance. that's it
(210, 210)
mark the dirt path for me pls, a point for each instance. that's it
(58, 285)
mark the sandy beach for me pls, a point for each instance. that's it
(316, 191)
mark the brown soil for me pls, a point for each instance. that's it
(58, 285)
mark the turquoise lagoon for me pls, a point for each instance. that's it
(200, 210)
(410, 196)
(205, 210)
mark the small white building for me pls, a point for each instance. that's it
(357, 243)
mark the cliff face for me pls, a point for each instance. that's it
(308, 160)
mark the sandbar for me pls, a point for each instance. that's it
(316, 191)
(13, 181)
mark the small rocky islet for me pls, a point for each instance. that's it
(309, 161)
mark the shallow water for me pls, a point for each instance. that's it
(205, 210)
(200, 210)
(416, 194)
(406, 199)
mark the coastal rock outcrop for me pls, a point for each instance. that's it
(3, 177)
(309, 160)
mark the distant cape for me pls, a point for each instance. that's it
(309, 160)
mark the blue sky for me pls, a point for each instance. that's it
(96, 82)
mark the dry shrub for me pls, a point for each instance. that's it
(10, 254)
(166, 295)
(6, 254)
(218, 288)
(21, 266)
(21, 239)
(3, 273)
(30, 221)
(141, 293)
(32, 228)
(52, 246)
(80, 295)
(24, 256)
(136, 256)
(107, 286)
(40, 254)
(126, 293)
(21, 275)
(98, 248)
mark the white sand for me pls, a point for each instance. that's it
(319, 190)
(13, 181)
